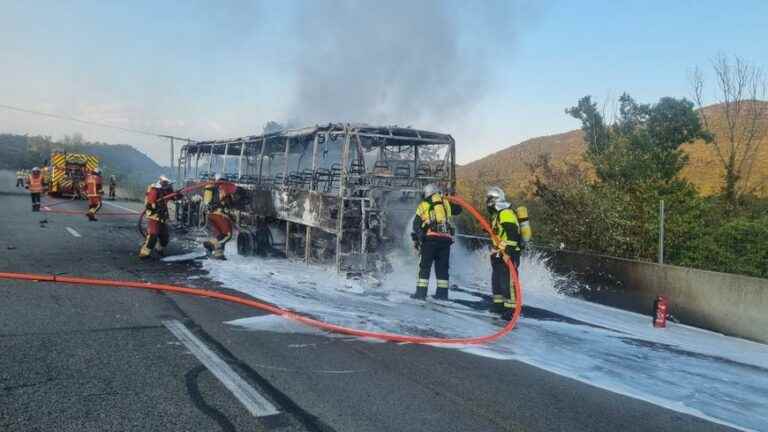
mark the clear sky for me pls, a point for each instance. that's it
(492, 73)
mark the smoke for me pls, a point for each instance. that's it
(398, 62)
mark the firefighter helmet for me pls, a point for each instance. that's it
(430, 190)
(35, 170)
(97, 171)
(496, 198)
(163, 181)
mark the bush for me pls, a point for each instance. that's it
(736, 246)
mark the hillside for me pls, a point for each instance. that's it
(508, 167)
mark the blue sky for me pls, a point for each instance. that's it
(491, 73)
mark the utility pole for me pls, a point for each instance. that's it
(661, 232)
(172, 154)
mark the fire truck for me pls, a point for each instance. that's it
(67, 172)
(337, 193)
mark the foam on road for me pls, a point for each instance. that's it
(711, 376)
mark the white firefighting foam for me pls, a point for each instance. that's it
(685, 369)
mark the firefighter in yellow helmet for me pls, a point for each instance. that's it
(432, 235)
(513, 231)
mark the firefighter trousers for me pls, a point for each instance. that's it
(503, 293)
(19, 182)
(94, 205)
(435, 251)
(156, 231)
(35, 200)
(221, 230)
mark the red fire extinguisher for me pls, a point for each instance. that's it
(660, 310)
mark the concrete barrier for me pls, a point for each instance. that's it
(727, 303)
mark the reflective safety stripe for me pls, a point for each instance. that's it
(509, 304)
(504, 216)
(442, 283)
(498, 298)
(422, 283)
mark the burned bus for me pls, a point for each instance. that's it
(337, 193)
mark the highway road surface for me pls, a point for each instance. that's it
(80, 358)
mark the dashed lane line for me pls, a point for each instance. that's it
(73, 232)
(121, 207)
(251, 399)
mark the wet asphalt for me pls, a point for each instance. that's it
(76, 358)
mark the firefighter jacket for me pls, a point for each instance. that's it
(505, 225)
(218, 197)
(156, 202)
(36, 183)
(93, 187)
(433, 218)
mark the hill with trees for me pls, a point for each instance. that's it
(599, 189)
(510, 167)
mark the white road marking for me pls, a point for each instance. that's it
(73, 232)
(254, 402)
(121, 207)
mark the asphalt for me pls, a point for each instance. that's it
(93, 359)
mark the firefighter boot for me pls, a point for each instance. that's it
(218, 254)
(35, 207)
(441, 294)
(161, 251)
(421, 293)
(509, 309)
(145, 252)
(209, 247)
(497, 305)
(91, 217)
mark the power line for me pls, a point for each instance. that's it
(92, 123)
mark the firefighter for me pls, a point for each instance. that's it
(19, 178)
(156, 212)
(219, 197)
(36, 186)
(45, 172)
(94, 192)
(513, 232)
(112, 187)
(432, 236)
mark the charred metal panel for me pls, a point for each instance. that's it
(307, 208)
(262, 204)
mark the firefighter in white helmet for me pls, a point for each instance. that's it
(157, 215)
(36, 185)
(219, 197)
(513, 231)
(432, 235)
(94, 192)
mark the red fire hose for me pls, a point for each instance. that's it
(294, 316)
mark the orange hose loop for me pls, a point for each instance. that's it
(294, 316)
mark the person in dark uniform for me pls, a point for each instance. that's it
(432, 235)
(513, 232)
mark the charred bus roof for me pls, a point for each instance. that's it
(375, 135)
